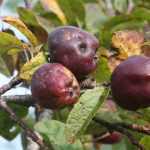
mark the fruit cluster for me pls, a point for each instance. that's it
(72, 55)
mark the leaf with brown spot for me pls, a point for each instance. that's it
(128, 42)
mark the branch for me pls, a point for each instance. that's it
(135, 127)
(90, 83)
(27, 4)
(25, 100)
(15, 81)
(29, 132)
(120, 129)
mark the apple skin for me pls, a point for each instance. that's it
(130, 83)
(74, 48)
(54, 86)
(110, 138)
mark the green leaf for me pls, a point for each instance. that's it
(89, 1)
(83, 112)
(55, 131)
(141, 13)
(31, 20)
(17, 23)
(8, 128)
(8, 42)
(53, 6)
(3, 68)
(93, 20)
(30, 67)
(102, 72)
(74, 11)
(145, 141)
(10, 61)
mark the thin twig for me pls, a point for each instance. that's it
(120, 129)
(25, 100)
(29, 132)
(15, 81)
(27, 4)
(135, 127)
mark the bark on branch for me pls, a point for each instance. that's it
(111, 126)
(30, 133)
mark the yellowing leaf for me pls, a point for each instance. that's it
(17, 23)
(30, 67)
(53, 6)
(128, 42)
(8, 42)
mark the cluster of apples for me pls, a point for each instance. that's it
(72, 56)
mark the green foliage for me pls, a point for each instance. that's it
(54, 132)
(31, 20)
(145, 141)
(83, 112)
(102, 72)
(73, 10)
(30, 67)
(9, 129)
(9, 42)
(101, 19)
(17, 23)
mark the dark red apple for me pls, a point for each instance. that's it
(54, 86)
(74, 48)
(109, 138)
(130, 83)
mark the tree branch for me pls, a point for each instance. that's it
(15, 81)
(30, 133)
(135, 127)
(120, 129)
(27, 4)
(25, 100)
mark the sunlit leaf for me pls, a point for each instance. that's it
(8, 42)
(128, 42)
(17, 23)
(30, 67)
(53, 6)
